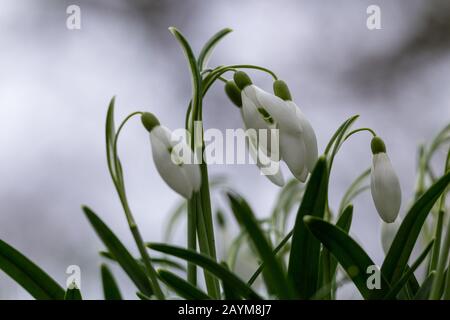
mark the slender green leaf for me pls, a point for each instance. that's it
(344, 222)
(349, 254)
(275, 252)
(210, 265)
(157, 261)
(398, 255)
(118, 250)
(142, 296)
(328, 262)
(73, 294)
(228, 291)
(110, 288)
(194, 70)
(339, 135)
(407, 275)
(425, 288)
(205, 54)
(182, 287)
(273, 272)
(110, 136)
(303, 268)
(27, 274)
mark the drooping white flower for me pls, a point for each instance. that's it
(173, 160)
(384, 183)
(262, 110)
(388, 232)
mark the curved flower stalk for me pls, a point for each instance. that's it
(262, 110)
(178, 171)
(384, 184)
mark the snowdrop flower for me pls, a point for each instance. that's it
(178, 171)
(384, 184)
(309, 136)
(268, 164)
(388, 232)
(262, 110)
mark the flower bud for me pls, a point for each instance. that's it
(234, 93)
(384, 183)
(377, 145)
(149, 121)
(242, 79)
(281, 90)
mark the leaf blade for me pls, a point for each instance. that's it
(273, 272)
(210, 265)
(207, 49)
(398, 255)
(28, 275)
(121, 254)
(110, 288)
(350, 255)
(303, 268)
(182, 287)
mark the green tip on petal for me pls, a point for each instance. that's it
(149, 121)
(281, 90)
(234, 93)
(377, 145)
(242, 79)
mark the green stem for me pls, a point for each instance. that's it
(360, 130)
(437, 242)
(120, 187)
(440, 222)
(191, 243)
(439, 278)
(212, 284)
(200, 203)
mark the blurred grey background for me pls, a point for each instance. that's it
(55, 85)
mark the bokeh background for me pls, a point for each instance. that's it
(55, 85)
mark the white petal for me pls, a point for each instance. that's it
(385, 188)
(175, 175)
(309, 137)
(252, 118)
(304, 174)
(292, 149)
(388, 232)
(277, 108)
(265, 164)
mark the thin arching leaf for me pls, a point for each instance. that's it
(165, 262)
(407, 275)
(424, 291)
(28, 275)
(349, 254)
(110, 288)
(398, 255)
(273, 273)
(121, 254)
(344, 222)
(182, 287)
(207, 49)
(210, 265)
(110, 133)
(303, 268)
